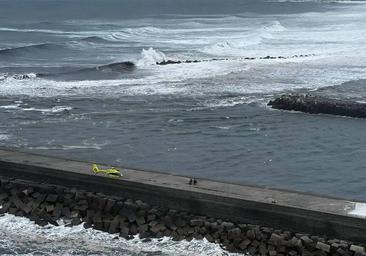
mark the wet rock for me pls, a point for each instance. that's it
(57, 210)
(322, 246)
(356, 248)
(75, 221)
(52, 198)
(316, 105)
(196, 222)
(227, 225)
(275, 239)
(295, 242)
(244, 244)
(114, 225)
(234, 233)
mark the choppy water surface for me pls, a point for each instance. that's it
(60, 96)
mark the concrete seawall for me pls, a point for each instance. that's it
(296, 212)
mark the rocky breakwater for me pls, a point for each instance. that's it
(46, 204)
(319, 105)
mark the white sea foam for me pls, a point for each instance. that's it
(12, 106)
(275, 26)
(359, 210)
(4, 137)
(332, 37)
(55, 109)
(32, 30)
(20, 235)
(151, 57)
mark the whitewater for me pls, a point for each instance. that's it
(81, 80)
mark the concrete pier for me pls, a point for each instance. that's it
(298, 212)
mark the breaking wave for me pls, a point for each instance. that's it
(275, 26)
(21, 236)
(6, 76)
(151, 57)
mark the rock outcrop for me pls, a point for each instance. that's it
(319, 105)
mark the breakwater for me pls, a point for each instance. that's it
(127, 210)
(319, 105)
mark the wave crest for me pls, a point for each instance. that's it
(151, 57)
(275, 26)
(29, 48)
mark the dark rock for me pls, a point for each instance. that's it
(167, 232)
(87, 225)
(3, 196)
(45, 216)
(250, 234)
(145, 234)
(125, 231)
(180, 222)
(50, 208)
(272, 253)
(322, 246)
(129, 214)
(52, 198)
(275, 239)
(140, 220)
(356, 248)
(108, 206)
(234, 233)
(142, 205)
(295, 242)
(114, 225)
(151, 217)
(75, 221)
(66, 212)
(317, 104)
(57, 210)
(143, 228)
(133, 229)
(227, 225)
(196, 222)
(306, 240)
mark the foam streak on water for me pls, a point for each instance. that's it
(20, 236)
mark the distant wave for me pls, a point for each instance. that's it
(29, 48)
(117, 67)
(18, 76)
(108, 71)
(275, 26)
(95, 39)
(32, 30)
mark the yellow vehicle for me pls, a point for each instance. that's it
(111, 172)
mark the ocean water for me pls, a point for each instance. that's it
(66, 90)
(20, 236)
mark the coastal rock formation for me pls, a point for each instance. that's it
(169, 62)
(45, 204)
(317, 104)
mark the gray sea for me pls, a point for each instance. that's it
(66, 90)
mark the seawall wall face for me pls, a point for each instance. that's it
(45, 203)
